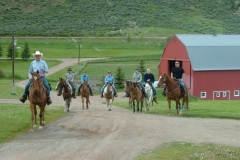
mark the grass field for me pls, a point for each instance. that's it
(15, 119)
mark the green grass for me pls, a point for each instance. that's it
(15, 119)
(223, 109)
(191, 151)
(90, 47)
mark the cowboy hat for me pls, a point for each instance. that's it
(37, 53)
(69, 69)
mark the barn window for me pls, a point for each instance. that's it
(224, 94)
(218, 94)
(203, 95)
(236, 93)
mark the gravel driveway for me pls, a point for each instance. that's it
(97, 134)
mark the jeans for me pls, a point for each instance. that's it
(73, 86)
(45, 83)
(181, 85)
(105, 86)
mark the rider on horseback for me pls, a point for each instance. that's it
(149, 78)
(84, 77)
(137, 77)
(69, 78)
(109, 79)
(37, 65)
(178, 73)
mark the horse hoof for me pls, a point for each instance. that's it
(109, 110)
(31, 131)
(43, 123)
(34, 126)
(40, 128)
(68, 110)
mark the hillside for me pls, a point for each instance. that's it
(118, 17)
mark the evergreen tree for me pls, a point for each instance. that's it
(142, 67)
(9, 52)
(1, 51)
(25, 53)
(119, 78)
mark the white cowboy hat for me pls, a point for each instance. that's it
(37, 53)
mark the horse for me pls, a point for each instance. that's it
(127, 89)
(67, 92)
(149, 99)
(173, 92)
(108, 94)
(84, 92)
(136, 95)
(37, 96)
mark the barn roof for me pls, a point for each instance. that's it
(212, 52)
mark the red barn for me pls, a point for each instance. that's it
(211, 64)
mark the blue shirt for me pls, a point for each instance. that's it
(84, 78)
(109, 79)
(37, 66)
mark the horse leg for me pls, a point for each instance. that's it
(133, 107)
(87, 101)
(41, 116)
(138, 106)
(35, 115)
(142, 106)
(169, 107)
(82, 102)
(177, 106)
(32, 117)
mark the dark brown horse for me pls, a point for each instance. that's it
(85, 92)
(136, 94)
(67, 92)
(37, 96)
(127, 90)
(173, 92)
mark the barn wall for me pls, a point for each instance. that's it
(209, 81)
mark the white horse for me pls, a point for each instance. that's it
(149, 98)
(108, 93)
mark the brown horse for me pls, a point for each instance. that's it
(84, 92)
(37, 96)
(108, 93)
(127, 89)
(67, 92)
(136, 94)
(173, 92)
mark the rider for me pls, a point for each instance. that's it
(37, 65)
(149, 78)
(84, 77)
(69, 78)
(109, 79)
(178, 73)
(137, 77)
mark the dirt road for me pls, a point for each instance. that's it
(98, 134)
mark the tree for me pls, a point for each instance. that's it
(141, 67)
(1, 51)
(119, 78)
(25, 53)
(9, 52)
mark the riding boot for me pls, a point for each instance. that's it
(90, 91)
(115, 94)
(102, 94)
(154, 95)
(59, 92)
(49, 101)
(127, 94)
(73, 95)
(23, 98)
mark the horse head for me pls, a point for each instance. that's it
(36, 81)
(60, 83)
(127, 85)
(162, 79)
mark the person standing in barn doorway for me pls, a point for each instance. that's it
(178, 73)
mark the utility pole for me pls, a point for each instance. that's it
(79, 55)
(13, 59)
